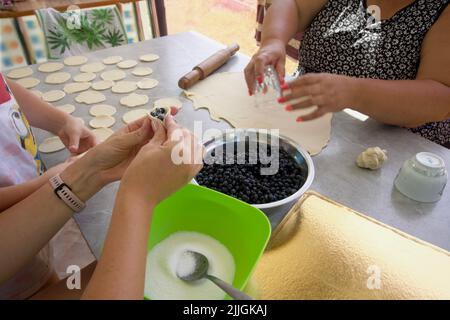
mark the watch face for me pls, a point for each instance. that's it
(19, 124)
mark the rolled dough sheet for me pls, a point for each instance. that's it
(67, 108)
(149, 57)
(75, 87)
(50, 67)
(93, 67)
(226, 97)
(134, 115)
(102, 110)
(147, 83)
(112, 60)
(102, 122)
(84, 77)
(127, 64)
(53, 95)
(57, 77)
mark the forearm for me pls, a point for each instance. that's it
(28, 225)
(9, 196)
(408, 103)
(281, 22)
(120, 272)
(40, 113)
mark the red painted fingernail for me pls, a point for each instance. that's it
(299, 119)
(288, 108)
(281, 99)
(260, 79)
(250, 93)
(284, 86)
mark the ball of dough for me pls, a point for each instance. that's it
(372, 158)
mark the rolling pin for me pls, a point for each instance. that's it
(208, 66)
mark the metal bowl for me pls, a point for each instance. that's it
(300, 155)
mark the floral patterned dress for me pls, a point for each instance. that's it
(344, 38)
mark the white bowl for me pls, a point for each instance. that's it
(422, 178)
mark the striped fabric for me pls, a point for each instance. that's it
(293, 45)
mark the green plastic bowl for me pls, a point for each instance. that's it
(243, 229)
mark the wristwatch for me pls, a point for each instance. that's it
(64, 192)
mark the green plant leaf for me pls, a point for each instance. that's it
(103, 16)
(114, 38)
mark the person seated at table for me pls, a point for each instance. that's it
(393, 68)
(31, 213)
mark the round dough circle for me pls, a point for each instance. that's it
(93, 67)
(53, 95)
(142, 71)
(147, 83)
(50, 67)
(113, 75)
(127, 64)
(20, 73)
(84, 77)
(51, 144)
(90, 97)
(67, 108)
(75, 60)
(112, 60)
(102, 110)
(102, 133)
(102, 122)
(168, 102)
(102, 85)
(75, 87)
(29, 82)
(134, 100)
(124, 87)
(149, 57)
(133, 115)
(57, 78)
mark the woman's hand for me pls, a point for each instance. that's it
(75, 136)
(166, 163)
(327, 92)
(271, 53)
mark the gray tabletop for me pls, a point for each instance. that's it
(337, 177)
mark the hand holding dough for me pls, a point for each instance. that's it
(372, 158)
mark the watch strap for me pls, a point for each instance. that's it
(64, 192)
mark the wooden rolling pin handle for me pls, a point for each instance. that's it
(205, 68)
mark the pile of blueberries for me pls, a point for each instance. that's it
(245, 181)
(159, 113)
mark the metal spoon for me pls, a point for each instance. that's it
(200, 271)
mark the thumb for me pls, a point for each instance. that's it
(159, 135)
(74, 141)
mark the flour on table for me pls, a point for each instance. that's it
(147, 83)
(134, 100)
(20, 73)
(53, 95)
(102, 121)
(84, 77)
(75, 61)
(124, 87)
(113, 75)
(51, 144)
(50, 67)
(102, 110)
(112, 60)
(90, 97)
(75, 87)
(93, 67)
(225, 96)
(57, 78)
(28, 83)
(127, 64)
